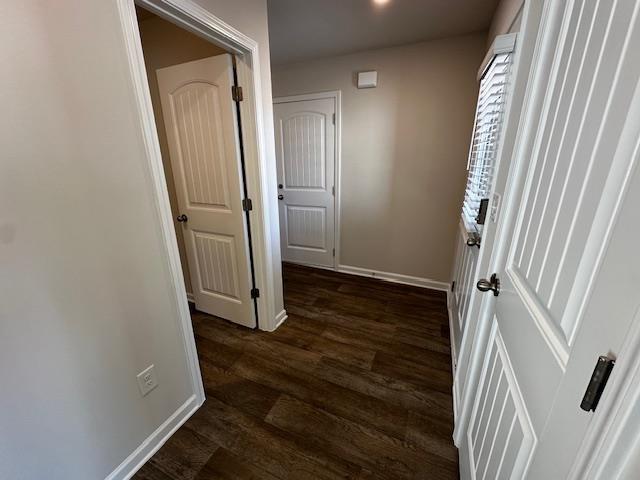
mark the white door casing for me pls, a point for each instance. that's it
(201, 125)
(306, 162)
(558, 236)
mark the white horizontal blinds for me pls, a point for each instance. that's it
(486, 135)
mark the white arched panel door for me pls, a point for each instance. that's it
(201, 124)
(305, 151)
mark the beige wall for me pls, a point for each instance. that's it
(404, 149)
(86, 300)
(506, 15)
(165, 44)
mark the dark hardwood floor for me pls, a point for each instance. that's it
(356, 384)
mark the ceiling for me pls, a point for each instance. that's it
(307, 29)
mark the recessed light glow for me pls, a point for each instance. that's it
(381, 2)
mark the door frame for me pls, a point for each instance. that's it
(336, 95)
(194, 18)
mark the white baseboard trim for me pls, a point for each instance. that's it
(280, 318)
(311, 265)
(190, 297)
(153, 442)
(395, 277)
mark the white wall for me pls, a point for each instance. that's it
(404, 149)
(85, 296)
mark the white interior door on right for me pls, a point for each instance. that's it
(566, 260)
(305, 151)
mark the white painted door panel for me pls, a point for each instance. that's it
(500, 435)
(562, 206)
(305, 151)
(200, 121)
(464, 277)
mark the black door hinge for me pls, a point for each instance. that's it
(236, 93)
(598, 381)
(247, 204)
(255, 293)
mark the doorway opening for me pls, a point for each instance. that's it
(194, 94)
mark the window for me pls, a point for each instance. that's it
(486, 134)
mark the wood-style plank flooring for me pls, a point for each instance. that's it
(356, 384)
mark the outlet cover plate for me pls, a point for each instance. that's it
(147, 380)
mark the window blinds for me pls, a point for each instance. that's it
(486, 137)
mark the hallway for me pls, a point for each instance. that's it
(355, 384)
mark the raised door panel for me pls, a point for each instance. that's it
(465, 277)
(303, 155)
(467, 282)
(306, 227)
(575, 152)
(500, 438)
(198, 130)
(217, 266)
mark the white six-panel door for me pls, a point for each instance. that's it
(563, 200)
(200, 121)
(305, 151)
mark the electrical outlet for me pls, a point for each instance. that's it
(147, 380)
